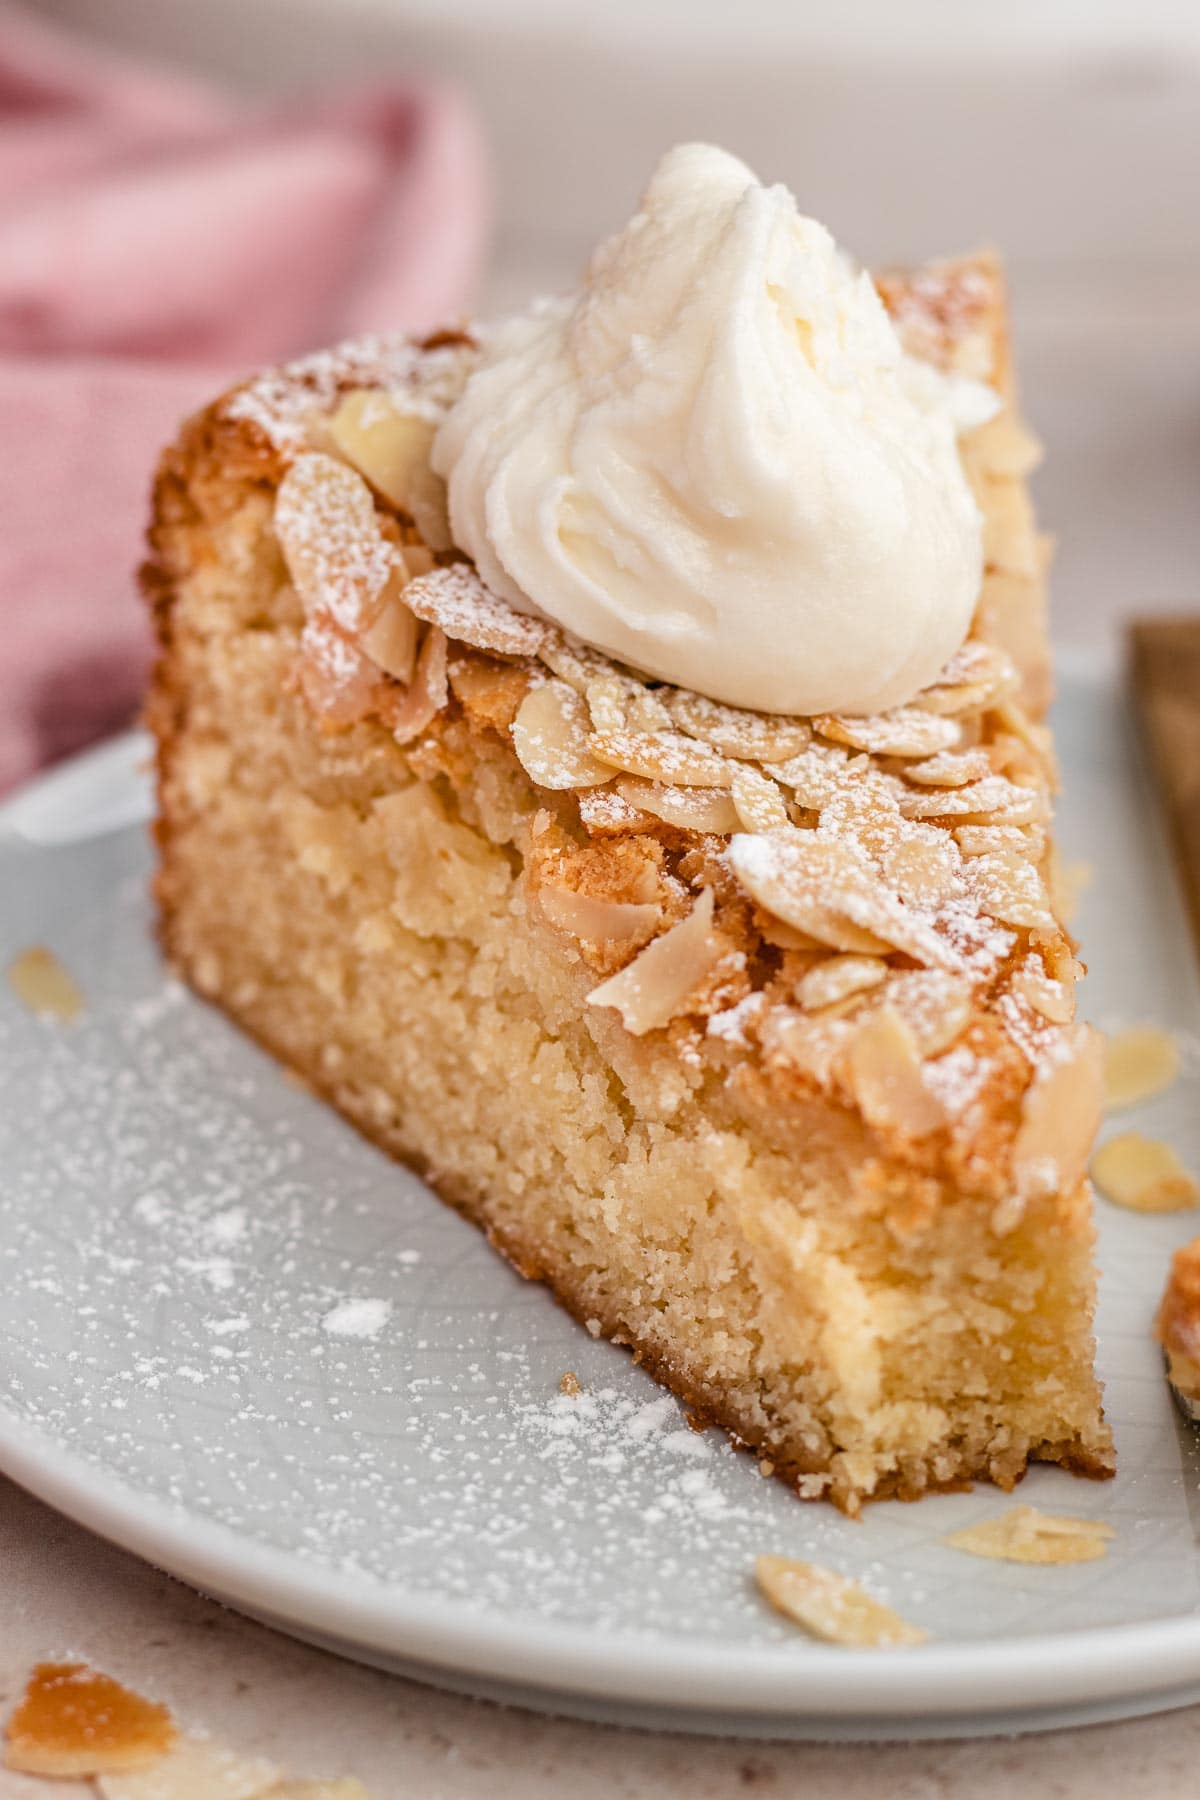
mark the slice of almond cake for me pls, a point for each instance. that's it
(749, 1032)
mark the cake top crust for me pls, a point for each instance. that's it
(857, 907)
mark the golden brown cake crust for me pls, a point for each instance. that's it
(929, 1052)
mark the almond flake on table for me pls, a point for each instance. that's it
(196, 1769)
(73, 1720)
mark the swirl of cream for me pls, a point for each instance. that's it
(717, 464)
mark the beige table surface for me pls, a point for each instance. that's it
(1117, 397)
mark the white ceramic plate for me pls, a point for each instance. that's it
(236, 1339)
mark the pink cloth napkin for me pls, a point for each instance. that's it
(158, 238)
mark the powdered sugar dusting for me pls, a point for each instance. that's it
(364, 1318)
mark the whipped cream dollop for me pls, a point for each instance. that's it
(717, 464)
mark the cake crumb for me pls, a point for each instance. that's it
(570, 1384)
(73, 1720)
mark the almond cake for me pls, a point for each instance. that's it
(752, 1035)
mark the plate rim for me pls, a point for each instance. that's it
(1034, 1674)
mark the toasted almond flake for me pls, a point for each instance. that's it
(655, 987)
(1059, 1115)
(195, 1769)
(706, 810)
(612, 699)
(607, 813)
(457, 602)
(1051, 999)
(818, 774)
(340, 684)
(975, 674)
(335, 551)
(993, 801)
(949, 769)
(984, 840)
(924, 867)
(935, 1006)
(1138, 1064)
(390, 444)
(390, 640)
(44, 986)
(72, 1720)
(826, 887)
(550, 735)
(345, 1788)
(665, 756)
(427, 695)
(908, 731)
(1008, 888)
(758, 800)
(835, 978)
(599, 921)
(751, 737)
(1143, 1174)
(575, 663)
(1025, 1535)
(831, 1607)
(1002, 446)
(882, 1068)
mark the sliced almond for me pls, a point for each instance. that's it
(835, 978)
(706, 810)
(550, 735)
(337, 556)
(195, 1769)
(1051, 999)
(1138, 1064)
(339, 682)
(428, 694)
(748, 736)
(827, 888)
(620, 703)
(1025, 1535)
(72, 1720)
(1059, 1115)
(390, 640)
(575, 663)
(924, 867)
(457, 602)
(344, 1788)
(1009, 889)
(883, 1070)
(817, 775)
(993, 801)
(908, 731)
(607, 813)
(1144, 1175)
(758, 800)
(390, 444)
(663, 756)
(985, 840)
(831, 1607)
(949, 769)
(1002, 446)
(596, 920)
(44, 986)
(935, 1006)
(975, 675)
(655, 987)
